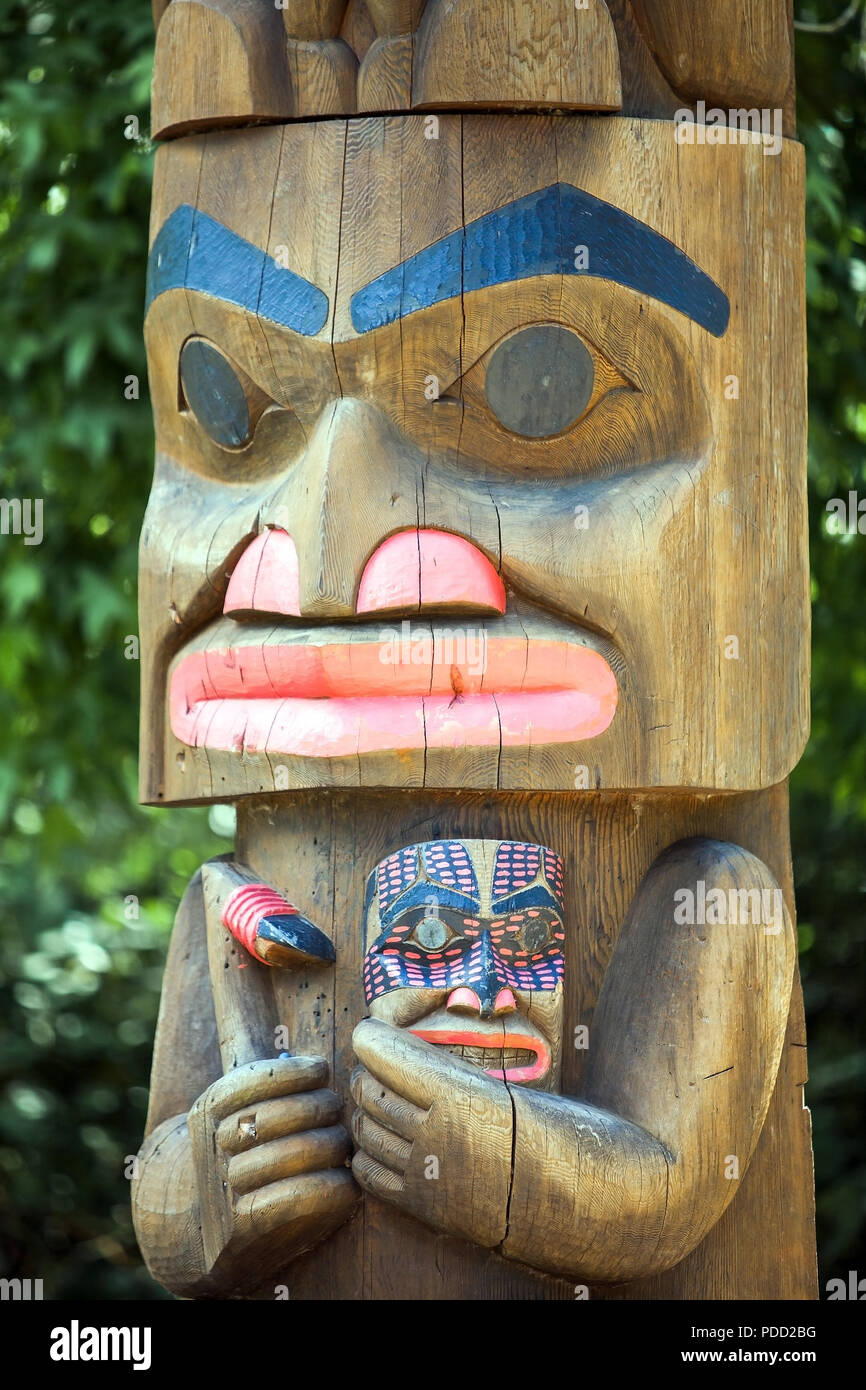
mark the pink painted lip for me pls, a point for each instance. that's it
(442, 1037)
(295, 693)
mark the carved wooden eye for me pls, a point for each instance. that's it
(215, 394)
(431, 934)
(536, 934)
(432, 930)
(542, 379)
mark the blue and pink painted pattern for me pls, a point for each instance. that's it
(505, 921)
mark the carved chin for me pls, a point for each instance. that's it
(509, 1049)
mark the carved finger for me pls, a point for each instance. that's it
(312, 1152)
(276, 1119)
(327, 1198)
(380, 1143)
(381, 1181)
(258, 1081)
(415, 1070)
(389, 1109)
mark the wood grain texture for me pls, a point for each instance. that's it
(186, 1057)
(313, 19)
(320, 848)
(396, 16)
(324, 76)
(645, 57)
(218, 63)
(516, 53)
(698, 58)
(385, 76)
(594, 531)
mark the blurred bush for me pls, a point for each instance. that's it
(88, 880)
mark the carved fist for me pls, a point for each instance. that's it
(433, 1134)
(269, 1156)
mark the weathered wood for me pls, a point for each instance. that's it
(697, 60)
(186, 1057)
(470, 53)
(644, 57)
(608, 843)
(651, 474)
(219, 63)
(475, 573)
(313, 19)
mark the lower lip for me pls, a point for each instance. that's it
(533, 1072)
(299, 700)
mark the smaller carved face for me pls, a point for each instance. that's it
(465, 947)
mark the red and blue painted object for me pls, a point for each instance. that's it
(272, 929)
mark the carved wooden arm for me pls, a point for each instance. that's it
(239, 1172)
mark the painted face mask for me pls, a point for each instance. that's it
(465, 946)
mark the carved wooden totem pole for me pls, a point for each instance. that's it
(474, 573)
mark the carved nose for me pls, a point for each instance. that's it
(326, 542)
(466, 1001)
(487, 995)
(335, 522)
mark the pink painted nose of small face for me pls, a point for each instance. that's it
(266, 577)
(426, 569)
(465, 1000)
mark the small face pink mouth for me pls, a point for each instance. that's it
(295, 693)
(494, 1042)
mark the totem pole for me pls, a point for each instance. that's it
(474, 574)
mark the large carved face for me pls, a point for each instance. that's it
(468, 469)
(466, 948)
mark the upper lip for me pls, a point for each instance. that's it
(231, 660)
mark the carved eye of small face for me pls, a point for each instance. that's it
(432, 930)
(222, 398)
(535, 933)
(544, 378)
(431, 934)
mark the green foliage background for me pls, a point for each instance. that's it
(79, 973)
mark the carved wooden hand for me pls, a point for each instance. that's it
(433, 1133)
(229, 1195)
(255, 1174)
(269, 1157)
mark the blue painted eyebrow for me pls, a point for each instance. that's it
(539, 235)
(419, 893)
(534, 896)
(193, 251)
